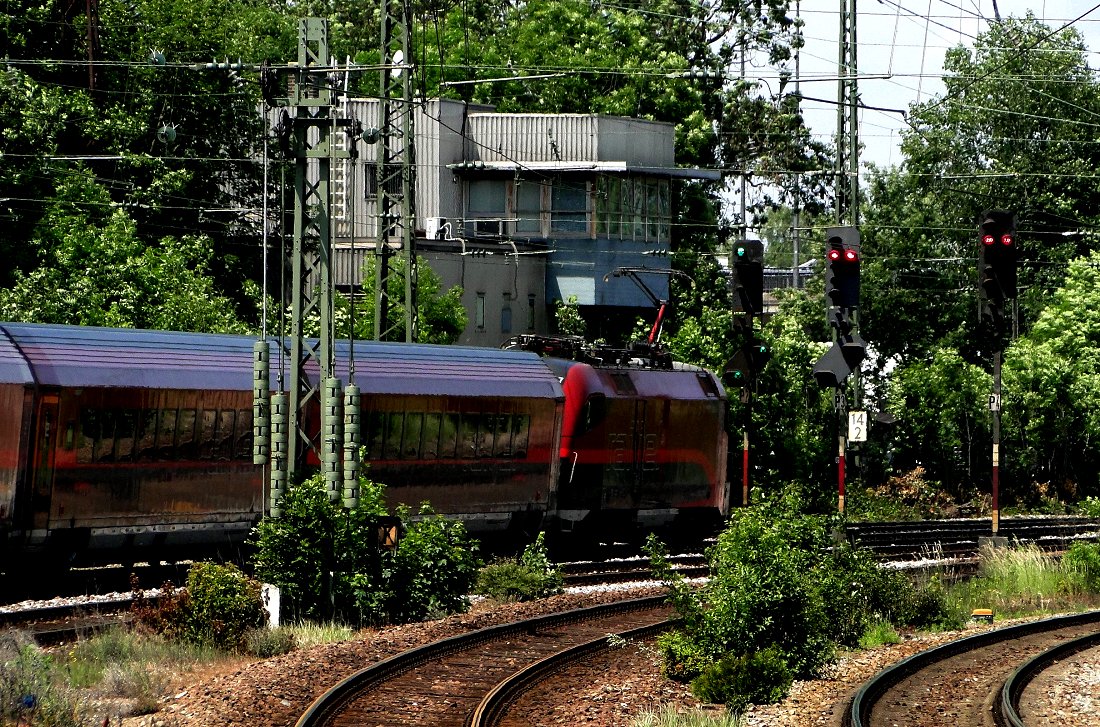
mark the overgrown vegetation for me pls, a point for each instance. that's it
(219, 607)
(328, 565)
(530, 577)
(670, 716)
(1023, 580)
(783, 597)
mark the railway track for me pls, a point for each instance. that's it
(450, 682)
(960, 683)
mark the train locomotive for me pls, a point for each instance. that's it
(138, 444)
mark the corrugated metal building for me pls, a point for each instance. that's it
(523, 210)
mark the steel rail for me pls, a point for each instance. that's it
(1006, 711)
(333, 701)
(859, 711)
(496, 703)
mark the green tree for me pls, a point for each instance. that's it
(92, 270)
(1052, 391)
(943, 421)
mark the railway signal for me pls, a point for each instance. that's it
(997, 257)
(747, 269)
(842, 273)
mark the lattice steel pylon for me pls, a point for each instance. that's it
(847, 120)
(309, 126)
(395, 174)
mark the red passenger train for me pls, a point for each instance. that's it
(141, 441)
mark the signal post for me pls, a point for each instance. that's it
(842, 272)
(742, 370)
(997, 283)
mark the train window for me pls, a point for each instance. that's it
(166, 433)
(433, 425)
(486, 434)
(90, 430)
(373, 433)
(105, 441)
(391, 448)
(451, 426)
(223, 436)
(243, 435)
(147, 435)
(467, 436)
(414, 430)
(207, 433)
(593, 412)
(185, 434)
(503, 445)
(125, 430)
(521, 429)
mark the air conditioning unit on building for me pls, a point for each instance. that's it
(435, 228)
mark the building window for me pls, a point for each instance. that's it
(530, 313)
(506, 314)
(634, 208)
(569, 206)
(479, 312)
(486, 209)
(529, 208)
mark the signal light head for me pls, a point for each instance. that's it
(988, 239)
(1007, 240)
(851, 256)
(834, 254)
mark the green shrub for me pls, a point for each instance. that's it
(781, 580)
(878, 634)
(328, 565)
(30, 692)
(266, 643)
(224, 604)
(217, 609)
(1089, 507)
(738, 680)
(531, 578)
(681, 658)
(1083, 561)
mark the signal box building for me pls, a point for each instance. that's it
(523, 210)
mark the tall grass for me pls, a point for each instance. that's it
(1018, 581)
(670, 716)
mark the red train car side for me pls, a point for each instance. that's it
(641, 447)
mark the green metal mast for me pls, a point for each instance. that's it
(847, 120)
(311, 127)
(395, 174)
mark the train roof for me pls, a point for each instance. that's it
(79, 356)
(683, 381)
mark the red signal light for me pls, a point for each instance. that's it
(1007, 240)
(851, 256)
(834, 254)
(988, 240)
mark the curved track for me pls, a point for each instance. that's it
(1009, 710)
(959, 683)
(443, 683)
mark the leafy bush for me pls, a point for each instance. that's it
(30, 694)
(1083, 561)
(533, 577)
(224, 605)
(217, 609)
(266, 643)
(1089, 507)
(681, 657)
(779, 579)
(327, 562)
(761, 677)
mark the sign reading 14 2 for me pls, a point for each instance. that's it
(857, 426)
